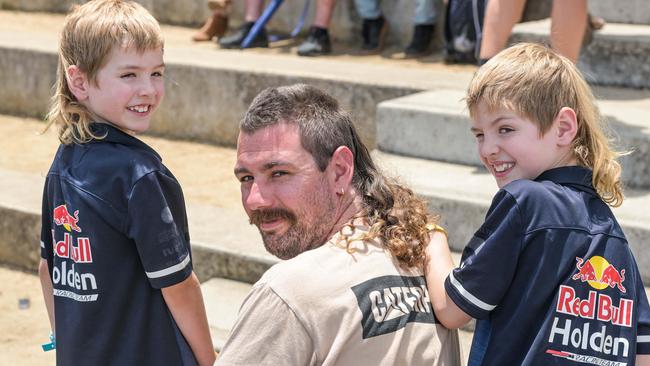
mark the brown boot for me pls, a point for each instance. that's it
(215, 26)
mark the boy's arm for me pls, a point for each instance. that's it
(185, 302)
(437, 267)
(48, 291)
(642, 360)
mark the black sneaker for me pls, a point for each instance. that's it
(421, 41)
(235, 40)
(373, 32)
(317, 43)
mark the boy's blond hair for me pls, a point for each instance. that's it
(535, 82)
(90, 33)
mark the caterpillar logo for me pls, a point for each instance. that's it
(388, 303)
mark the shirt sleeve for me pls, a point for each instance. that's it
(643, 321)
(489, 260)
(157, 222)
(267, 332)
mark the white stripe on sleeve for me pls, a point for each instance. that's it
(169, 270)
(643, 339)
(471, 298)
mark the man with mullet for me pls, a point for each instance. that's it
(352, 289)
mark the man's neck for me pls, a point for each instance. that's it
(350, 209)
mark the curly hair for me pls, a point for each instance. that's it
(394, 213)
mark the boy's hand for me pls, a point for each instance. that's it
(185, 302)
(437, 267)
(48, 290)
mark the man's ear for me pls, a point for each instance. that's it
(566, 126)
(77, 82)
(341, 167)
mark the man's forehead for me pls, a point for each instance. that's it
(279, 143)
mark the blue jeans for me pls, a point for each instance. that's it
(425, 11)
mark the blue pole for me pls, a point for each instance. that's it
(261, 22)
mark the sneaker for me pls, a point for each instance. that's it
(373, 32)
(421, 41)
(235, 40)
(317, 43)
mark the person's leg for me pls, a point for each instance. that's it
(374, 27)
(318, 41)
(324, 10)
(568, 24)
(425, 12)
(500, 17)
(253, 10)
(368, 9)
(423, 29)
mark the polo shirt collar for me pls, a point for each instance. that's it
(115, 135)
(577, 177)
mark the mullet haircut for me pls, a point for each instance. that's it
(394, 213)
(90, 32)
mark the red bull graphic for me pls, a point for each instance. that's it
(79, 254)
(599, 273)
(63, 218)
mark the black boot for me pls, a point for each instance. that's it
(421, 41)
(373, 32)
(235, 40)
(317, 43)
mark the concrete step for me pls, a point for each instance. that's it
(462, 194)
(208, 89)
(617, 55)
(435, 125)
(629, 11)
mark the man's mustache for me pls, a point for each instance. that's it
(259, 216)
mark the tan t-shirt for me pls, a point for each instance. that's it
(328, 306)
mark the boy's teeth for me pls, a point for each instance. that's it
(503, 167)
(139, 108)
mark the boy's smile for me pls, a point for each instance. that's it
(512, 148)
(128, 88)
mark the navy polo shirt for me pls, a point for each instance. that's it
(114, 232)
(551, 278)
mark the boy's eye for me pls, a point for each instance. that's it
(478, 136)
(157, 74)
(505, 130)
(128, 75)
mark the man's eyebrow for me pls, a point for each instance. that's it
(241, 170)
(268, 166)
(273, 164)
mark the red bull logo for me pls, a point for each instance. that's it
(63, 218)
(599, 273)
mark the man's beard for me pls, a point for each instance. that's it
(301, 235)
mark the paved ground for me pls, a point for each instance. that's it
(23, 329)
